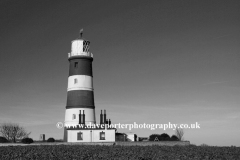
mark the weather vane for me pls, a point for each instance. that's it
(81, 32)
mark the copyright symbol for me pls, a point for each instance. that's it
(59, 125)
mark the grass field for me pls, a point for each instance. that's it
(117, 152)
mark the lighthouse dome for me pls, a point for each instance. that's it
(80, 47)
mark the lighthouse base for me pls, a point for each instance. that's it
(89, 135)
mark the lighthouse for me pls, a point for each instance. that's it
(80, 107)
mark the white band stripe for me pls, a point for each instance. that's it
(80, 82)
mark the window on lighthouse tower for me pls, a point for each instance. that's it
(74, 116)
(76, 64)
(75, 81)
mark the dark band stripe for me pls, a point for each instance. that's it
(83, 98)
(80, 106)
(80, 65)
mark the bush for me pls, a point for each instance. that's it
(27, 140)
(154, 136)
(51, 140)
(162, 137)
(174, 138)
(3, 140)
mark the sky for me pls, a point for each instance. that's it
(155, 62)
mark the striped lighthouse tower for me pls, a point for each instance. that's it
(80, 107)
